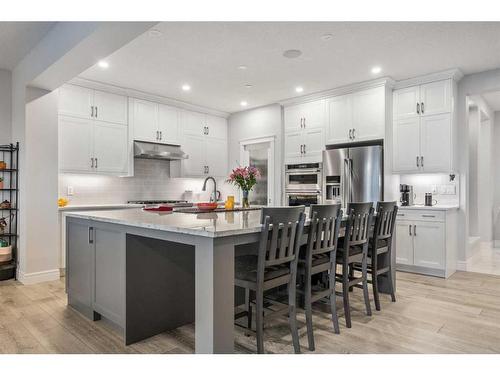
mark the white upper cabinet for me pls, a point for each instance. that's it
(110, 148)
(75, 144)
(216, 127)
(405, 102)
(305, 116)
(110, 107)
(216, 157)
(435, 98)
(359, 116)
(169, 124)
(195, 165)
(193, 123)
(368, 114)
(314, 144)
(76, 101)
(144, 120)
(293, 147)
(422, 129)
(339, 120)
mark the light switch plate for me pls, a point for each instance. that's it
(70, 190)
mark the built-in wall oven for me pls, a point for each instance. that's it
(303, 184)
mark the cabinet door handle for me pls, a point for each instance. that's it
(418, 108)
(91, 162)
(96, 163)
(353, 133)
(208, 169)
(161, 135)
(428, 215)
(422, 107)
(350, 134)
(208, 130)
(409, 230)
(418, 164)
(304, 122)
(92, 111)
(91, 235)
(414, 230)
(422, 161)
(304, 149)
(301, 151)
(96, 112)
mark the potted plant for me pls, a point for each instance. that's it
(245, 178)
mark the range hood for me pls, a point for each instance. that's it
(147, 150)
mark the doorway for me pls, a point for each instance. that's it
(259, 153)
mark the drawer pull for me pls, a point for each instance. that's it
(428, 215)
(401, 214)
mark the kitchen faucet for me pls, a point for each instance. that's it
(213, 197)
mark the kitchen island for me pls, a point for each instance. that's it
(151, 272)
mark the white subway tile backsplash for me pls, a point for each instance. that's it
(151, 181)
(442, 189)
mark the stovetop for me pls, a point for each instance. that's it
(176, 203)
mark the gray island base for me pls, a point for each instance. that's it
(152, 272)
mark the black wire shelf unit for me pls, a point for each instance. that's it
(9, 209)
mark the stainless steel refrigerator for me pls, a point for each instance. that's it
(353, 174)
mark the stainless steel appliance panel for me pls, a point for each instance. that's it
(365, 169)
(334, 172)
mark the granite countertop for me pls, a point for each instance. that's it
(437, 207)
(210, 224)
(83, 207)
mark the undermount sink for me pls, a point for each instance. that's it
(195, 210)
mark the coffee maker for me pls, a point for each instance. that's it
(406, 195)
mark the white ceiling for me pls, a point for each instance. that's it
(206, 55)
(493, 100)
(18, 38)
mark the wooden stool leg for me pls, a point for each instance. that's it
(259, 320)
(365, 284)
(292, 315)
(248, 307)
(333, 300)
(345, 295)
(376, 297)
(351, 275)
(389, 277)
(308, 311)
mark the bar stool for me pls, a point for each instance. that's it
(318, 257)
(274, 265)
(380, 249)
(354, 249)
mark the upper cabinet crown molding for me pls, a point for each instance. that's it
(348, 89)
(453, 74)
(146, 96)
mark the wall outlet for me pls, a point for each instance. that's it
(70, 190)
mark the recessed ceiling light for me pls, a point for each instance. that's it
(299, 89)
(248, 86)
(292, 53)
(242, 67)
(326, 37)
(103, 64)
(243, 103)
(186, 87)
(155, 33)
(376, 69)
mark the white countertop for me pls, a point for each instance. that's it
(437, 207)
(110, 206)
(211, 224)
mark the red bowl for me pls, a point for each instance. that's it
(207, 206)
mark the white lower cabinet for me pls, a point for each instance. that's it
(426, 241)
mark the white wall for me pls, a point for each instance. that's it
(474, 124)
(258, 123)
(496, 179)
(5, 106)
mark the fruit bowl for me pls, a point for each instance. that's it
(207, 206)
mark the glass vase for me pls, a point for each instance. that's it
(245, 203)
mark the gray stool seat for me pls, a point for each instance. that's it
(245, 268)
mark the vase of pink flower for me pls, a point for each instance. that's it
(245, 178)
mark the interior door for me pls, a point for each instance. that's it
(405, 102)
(110, 147)
(110, 107)
(436, 97)
(168, 124)
(435, 144)
(145, 120)
(216, 157)
(75, 144)
(194, 146)
(259, 155)
(406, 144)
(404, 242)
(76, 101)
(429, 240)
(339, 119)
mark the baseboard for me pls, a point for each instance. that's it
(461, 265)
(38, 277)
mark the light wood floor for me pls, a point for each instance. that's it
(432, 315)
